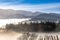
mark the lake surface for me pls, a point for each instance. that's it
(3, 22)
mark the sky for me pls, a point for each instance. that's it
(48, 6)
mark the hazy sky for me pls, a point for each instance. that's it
(32, 5)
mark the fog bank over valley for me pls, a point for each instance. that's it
(3, 22)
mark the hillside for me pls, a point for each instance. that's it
(45, 16)
(9, 13)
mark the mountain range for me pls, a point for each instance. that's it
(45, 16)
(9, 13)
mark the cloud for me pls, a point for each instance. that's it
(52, 7)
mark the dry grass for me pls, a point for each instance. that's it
(11, 35)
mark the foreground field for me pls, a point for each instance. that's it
(10, 35)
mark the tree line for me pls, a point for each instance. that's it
(32, 27)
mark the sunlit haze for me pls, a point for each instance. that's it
(3, 22)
